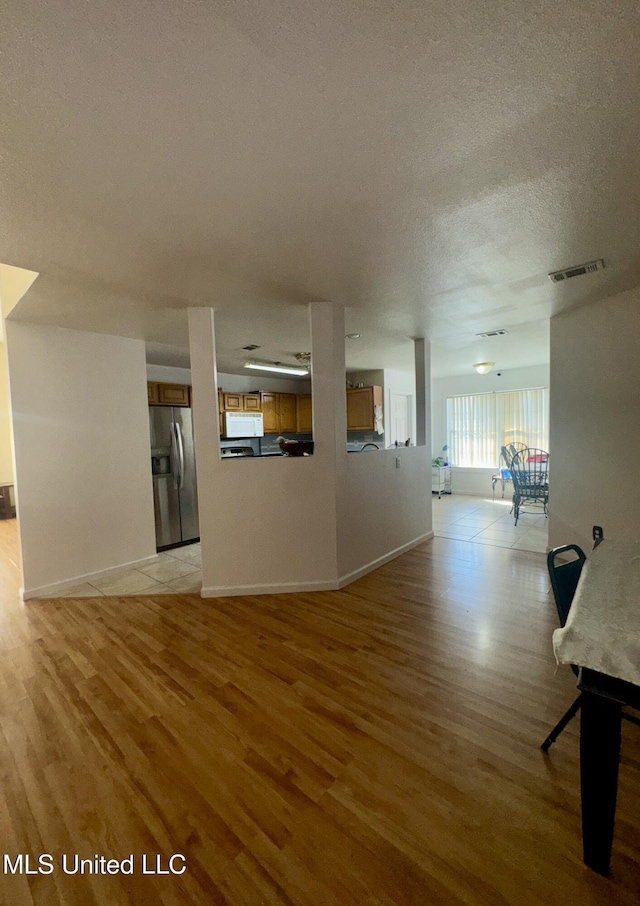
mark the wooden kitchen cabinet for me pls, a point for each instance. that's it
(287, 409)
(279, 413)
(173, 394)
(269, 403)
(251, 402)
(232, 402)
(361, 403)
(241, 402)
(304, 414)
(168, 394)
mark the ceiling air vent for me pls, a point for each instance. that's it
(577, 271)
(251, 347)
(493, 333)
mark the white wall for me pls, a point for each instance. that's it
(81, 428)
(384, 498)
(594, 423)
(402, 382)
(166, 374)
(382, 510)
(476, 481)
(14, 283)
(373, 378)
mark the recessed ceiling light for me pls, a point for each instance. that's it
(353, 336)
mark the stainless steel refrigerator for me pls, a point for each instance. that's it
(173, 465)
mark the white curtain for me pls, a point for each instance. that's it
(471, 430)
(480, 424)
(523, 415)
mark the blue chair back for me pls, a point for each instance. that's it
(564, 577)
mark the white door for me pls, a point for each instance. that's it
(399, 423)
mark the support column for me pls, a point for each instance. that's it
(328, 380)
(423, 391)
(205, 427)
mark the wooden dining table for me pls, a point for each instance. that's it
(602, 637)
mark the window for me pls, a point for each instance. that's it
(479, 424)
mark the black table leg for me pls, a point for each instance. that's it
(599, 760)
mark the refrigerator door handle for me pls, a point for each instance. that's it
(180, 455)
(175, 461)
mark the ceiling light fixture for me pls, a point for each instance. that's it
(353, 336)
(484, 367)
(277, 367)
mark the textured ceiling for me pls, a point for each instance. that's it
(424, 164)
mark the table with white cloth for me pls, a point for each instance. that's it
(602, 636)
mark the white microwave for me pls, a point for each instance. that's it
(243, 424)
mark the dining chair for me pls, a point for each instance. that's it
(530, 473)
(564, 578)
(564, 581)
(503, 474)
(515, 447)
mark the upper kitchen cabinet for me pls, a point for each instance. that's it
(169, 394)
(279, 412)
(287, 410)
(304, 414)
(173, 394)
(241, 402)
(361, 408)
(269, 402)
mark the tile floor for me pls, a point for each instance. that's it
(177, 570)
(484, 521)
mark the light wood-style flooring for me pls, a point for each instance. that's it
(377, 745)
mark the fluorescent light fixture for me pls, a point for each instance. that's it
(280, 369)
(484, 367)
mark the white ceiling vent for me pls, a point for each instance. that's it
(493, 333)
(577, 271)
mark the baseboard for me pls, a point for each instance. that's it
(45, 590)
(231, 591)
(348, 578)
(219, 591)
(484, 495)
